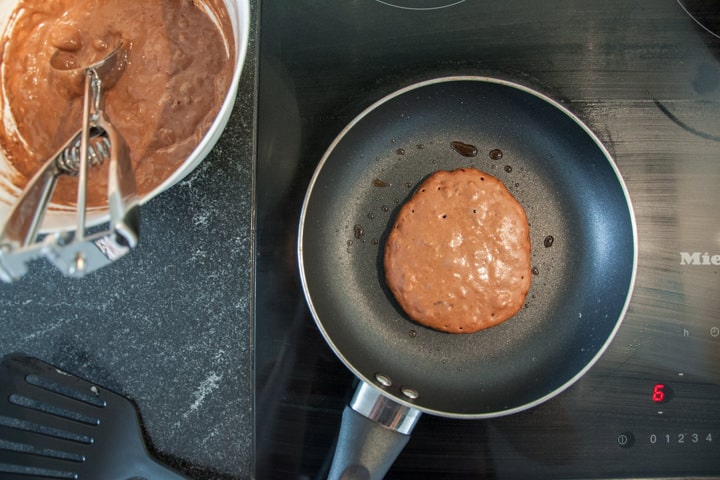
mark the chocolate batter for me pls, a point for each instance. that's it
(458, 256)
(179, 70)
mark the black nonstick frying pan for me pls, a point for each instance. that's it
(584, 254)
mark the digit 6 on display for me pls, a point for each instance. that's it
(661, 393)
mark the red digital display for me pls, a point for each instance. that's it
(661, 393)
(658, 393)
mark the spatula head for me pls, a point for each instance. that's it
(55, 425)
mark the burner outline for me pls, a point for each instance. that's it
(695, 19)
(438, 7)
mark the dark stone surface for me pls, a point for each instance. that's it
(169, 325)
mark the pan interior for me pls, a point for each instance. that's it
(571, 192)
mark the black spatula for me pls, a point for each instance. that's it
(54, 425)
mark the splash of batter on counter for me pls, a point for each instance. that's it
(179, 71)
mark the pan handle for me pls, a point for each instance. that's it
(373, 432)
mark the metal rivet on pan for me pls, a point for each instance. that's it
(383, 380)
(410, 393)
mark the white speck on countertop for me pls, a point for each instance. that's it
(190, 179)
(206, 387)
(198, 254)
(201, 219)
(46, 330)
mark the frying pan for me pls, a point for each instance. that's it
(584, 255)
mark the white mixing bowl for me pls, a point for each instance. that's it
(64, 218)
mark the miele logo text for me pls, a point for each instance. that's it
(699, 258)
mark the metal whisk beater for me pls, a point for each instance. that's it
(98, 151)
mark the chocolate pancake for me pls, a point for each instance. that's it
(458, 256)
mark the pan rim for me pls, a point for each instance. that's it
(506, 83)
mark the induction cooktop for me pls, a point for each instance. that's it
(645, 77)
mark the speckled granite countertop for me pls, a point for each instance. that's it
(170, 324)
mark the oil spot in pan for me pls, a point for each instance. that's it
(548, 241)
(358, 231)
(508, 168)
(495, 154)
(464, 149)
(380, 183)
(400, 151)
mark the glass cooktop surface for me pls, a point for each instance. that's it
(644, 76)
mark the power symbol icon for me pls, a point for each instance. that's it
(626, 439)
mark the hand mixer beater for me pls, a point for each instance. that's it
(79, 251)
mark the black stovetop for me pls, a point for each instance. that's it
(645, 78)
